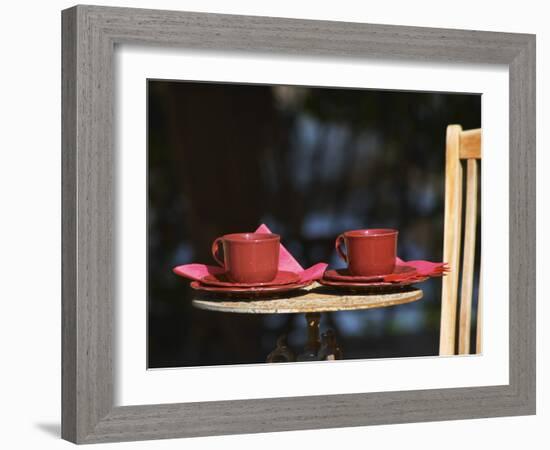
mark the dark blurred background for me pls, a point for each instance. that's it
(310, 163)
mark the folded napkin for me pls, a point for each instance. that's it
(286, 262)
(423, 269)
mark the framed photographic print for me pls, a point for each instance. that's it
(278, 224)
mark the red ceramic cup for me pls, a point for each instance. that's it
(248, 257)
(369, 252)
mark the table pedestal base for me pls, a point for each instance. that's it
(317, 348)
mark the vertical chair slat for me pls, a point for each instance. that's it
(479, 331)
(468, 258)
(451, 244)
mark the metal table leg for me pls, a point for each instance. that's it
(315, 349)
(313, 342)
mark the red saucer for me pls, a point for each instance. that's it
(252, 290)
(372, 284)
(344, 275)
(221, 280)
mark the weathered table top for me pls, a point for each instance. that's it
(317, 298)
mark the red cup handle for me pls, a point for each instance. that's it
(338, 246)
(215, 250)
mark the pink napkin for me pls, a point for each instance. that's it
(425, 268)
(286, 263)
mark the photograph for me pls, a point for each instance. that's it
(302, 223)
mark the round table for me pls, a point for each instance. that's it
(311, 301)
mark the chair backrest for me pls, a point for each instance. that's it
(461, 145)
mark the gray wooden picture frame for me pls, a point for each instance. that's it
(90, 34)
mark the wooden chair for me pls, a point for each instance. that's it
(461, 145)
